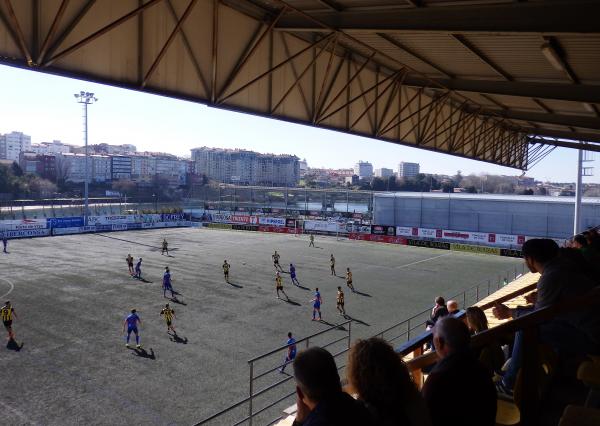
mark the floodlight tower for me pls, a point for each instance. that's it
(85, 99)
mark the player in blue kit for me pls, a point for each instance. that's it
(167, 283)
(138, 269)
(293, 275)
(317, 301)
(132, 322)
(291, 352)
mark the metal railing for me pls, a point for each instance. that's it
(340, 345)
(391, 334)
(467, 297)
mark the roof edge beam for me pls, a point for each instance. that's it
(556, 91)
(548, 18)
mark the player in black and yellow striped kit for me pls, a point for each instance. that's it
(7, 313)
(169, 315)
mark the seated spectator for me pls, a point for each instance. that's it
(568, 334)
(452, 306)
(382, 381)
(476, 320)
(438, 311)
(459, 390)
(319, 397)
(490, 356)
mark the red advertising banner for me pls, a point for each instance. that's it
(377, 238)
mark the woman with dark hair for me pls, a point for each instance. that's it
(476, 320)
(381, 380)
(491, 355)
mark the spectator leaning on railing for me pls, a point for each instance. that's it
(381, 380)
(561, 279)
(438, 311)
(459, 390)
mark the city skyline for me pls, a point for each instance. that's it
(160, 124)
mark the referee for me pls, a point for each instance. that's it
(7, 312)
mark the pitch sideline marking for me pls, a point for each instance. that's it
(424, 260)
(12, 287)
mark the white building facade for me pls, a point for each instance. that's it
(363, 169)
(408, 170)
(12, 144)
(384, 173)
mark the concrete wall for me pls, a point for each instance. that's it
(517, 215)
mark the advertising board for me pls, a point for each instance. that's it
(474, 249)
(270, 221)
(429, 244)
(65, 222)
(23, 224)
(25, 233)
(383, 230)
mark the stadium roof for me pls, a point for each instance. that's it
(494, 80)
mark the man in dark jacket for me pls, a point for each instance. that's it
(459, 390)
(319, 396)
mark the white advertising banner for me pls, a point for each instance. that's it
(23, 224)
(270, 221)
(113, 220)
(119, 227)
(25, 233)
(430, 233)
(407, 231)
(318, 225)
(465, 236)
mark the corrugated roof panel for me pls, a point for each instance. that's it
(567, 107)
(400, 55)
(582, 55)
(518, 55)
(446, 53)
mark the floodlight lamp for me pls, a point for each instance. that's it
(76, 95)
(82, 93)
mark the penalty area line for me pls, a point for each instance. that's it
(10, 284)
(424, 260)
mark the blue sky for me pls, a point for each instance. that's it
(43, 106)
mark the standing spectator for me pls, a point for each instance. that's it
(438, 311)
(4, 242)
(319, 396)
(382, 381)
(459, 390)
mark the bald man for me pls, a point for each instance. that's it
(458, 384)
(452, 306)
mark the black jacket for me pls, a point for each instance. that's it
(341, 410)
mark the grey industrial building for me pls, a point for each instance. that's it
(506, 214)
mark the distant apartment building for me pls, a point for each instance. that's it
(108, 149)
(143, 168)
(43, 165)
(302, 167)
(12, 144)
(246, 167)
(101, 168)
(173, 169)
(120, 167)
(384, 173)
(54, 147)
(363, 169)
(71, 167)
(408, 170)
